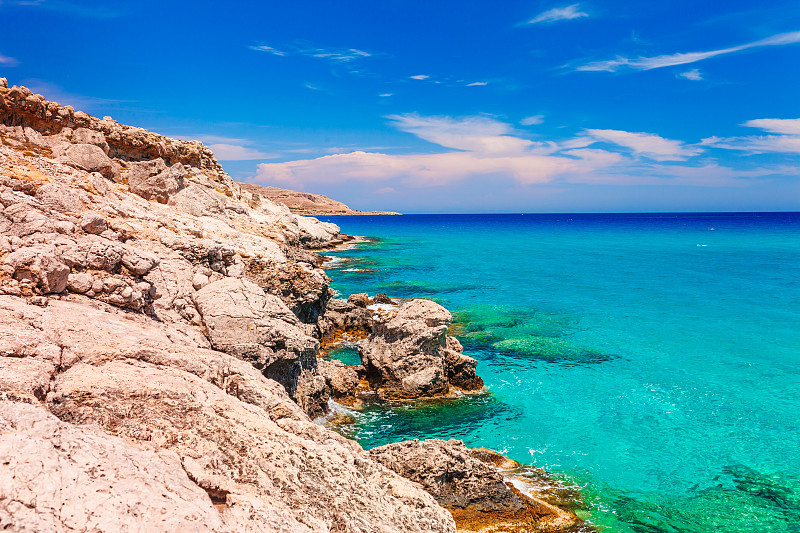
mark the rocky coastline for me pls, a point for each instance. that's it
(304, 203)
(160, 355)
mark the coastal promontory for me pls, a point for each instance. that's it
(160, 331)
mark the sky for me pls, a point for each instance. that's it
(442, 106)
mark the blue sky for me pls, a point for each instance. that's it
(470, 106)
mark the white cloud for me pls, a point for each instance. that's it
(477, 84)
(473, 134)
(420, 77)
(232, 152)
(789, 126)
(787, 140)
(268, 49)
(757, 144)
(491, 151)
(647, 144)
(694, 75)
(532, 120)
(559, 13)
(8, 61)
(385, 95)
(343, 55)
(340, 56)
(649, 63)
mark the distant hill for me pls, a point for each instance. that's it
(303, 203)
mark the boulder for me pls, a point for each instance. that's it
(41, 265)
(154, 180)
(245, 322)
(138, 261)
(312, 393)
(341, 378)
(80, 282)
(93, 252)
(87, 136)
(404, 356)
(91, 158)
(447, 470)
(468, 483)
(197, 201)
(359, 300)
(306, 290)
(460, 368)
(98, 253)
(59, 198)
(345, 317)
(94, 223)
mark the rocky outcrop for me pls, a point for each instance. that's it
(157, 359)
(468, 483)
(304, 203)
(409, 354)
(158, 345)
(154, 180)
(236, 434)
(49, 121)
(305, 289)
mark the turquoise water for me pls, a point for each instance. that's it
(653, 360)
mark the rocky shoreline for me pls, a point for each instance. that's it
(308, 204)
(160, 333)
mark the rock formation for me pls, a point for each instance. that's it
(410, 355)
(157, 349)
(304, 203)
(159, 331)
(468, 483)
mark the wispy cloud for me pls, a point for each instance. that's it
(385, 95)
(694, 75)
(787, 140)
(8, 61)
(532, 120)
(649, 63)
(472, 134)
(559, 13)
(486, 149)
(232, 152)
(647, 144)
(268, 49)
(477, 84)
(335, 55)
(788, 126)
(419, 77)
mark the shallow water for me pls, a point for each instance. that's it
(654, 360)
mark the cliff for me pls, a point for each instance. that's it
(159, 334)
(304, 203)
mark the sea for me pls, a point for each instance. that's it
(651, 360)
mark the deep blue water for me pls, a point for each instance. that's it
(654, 360)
